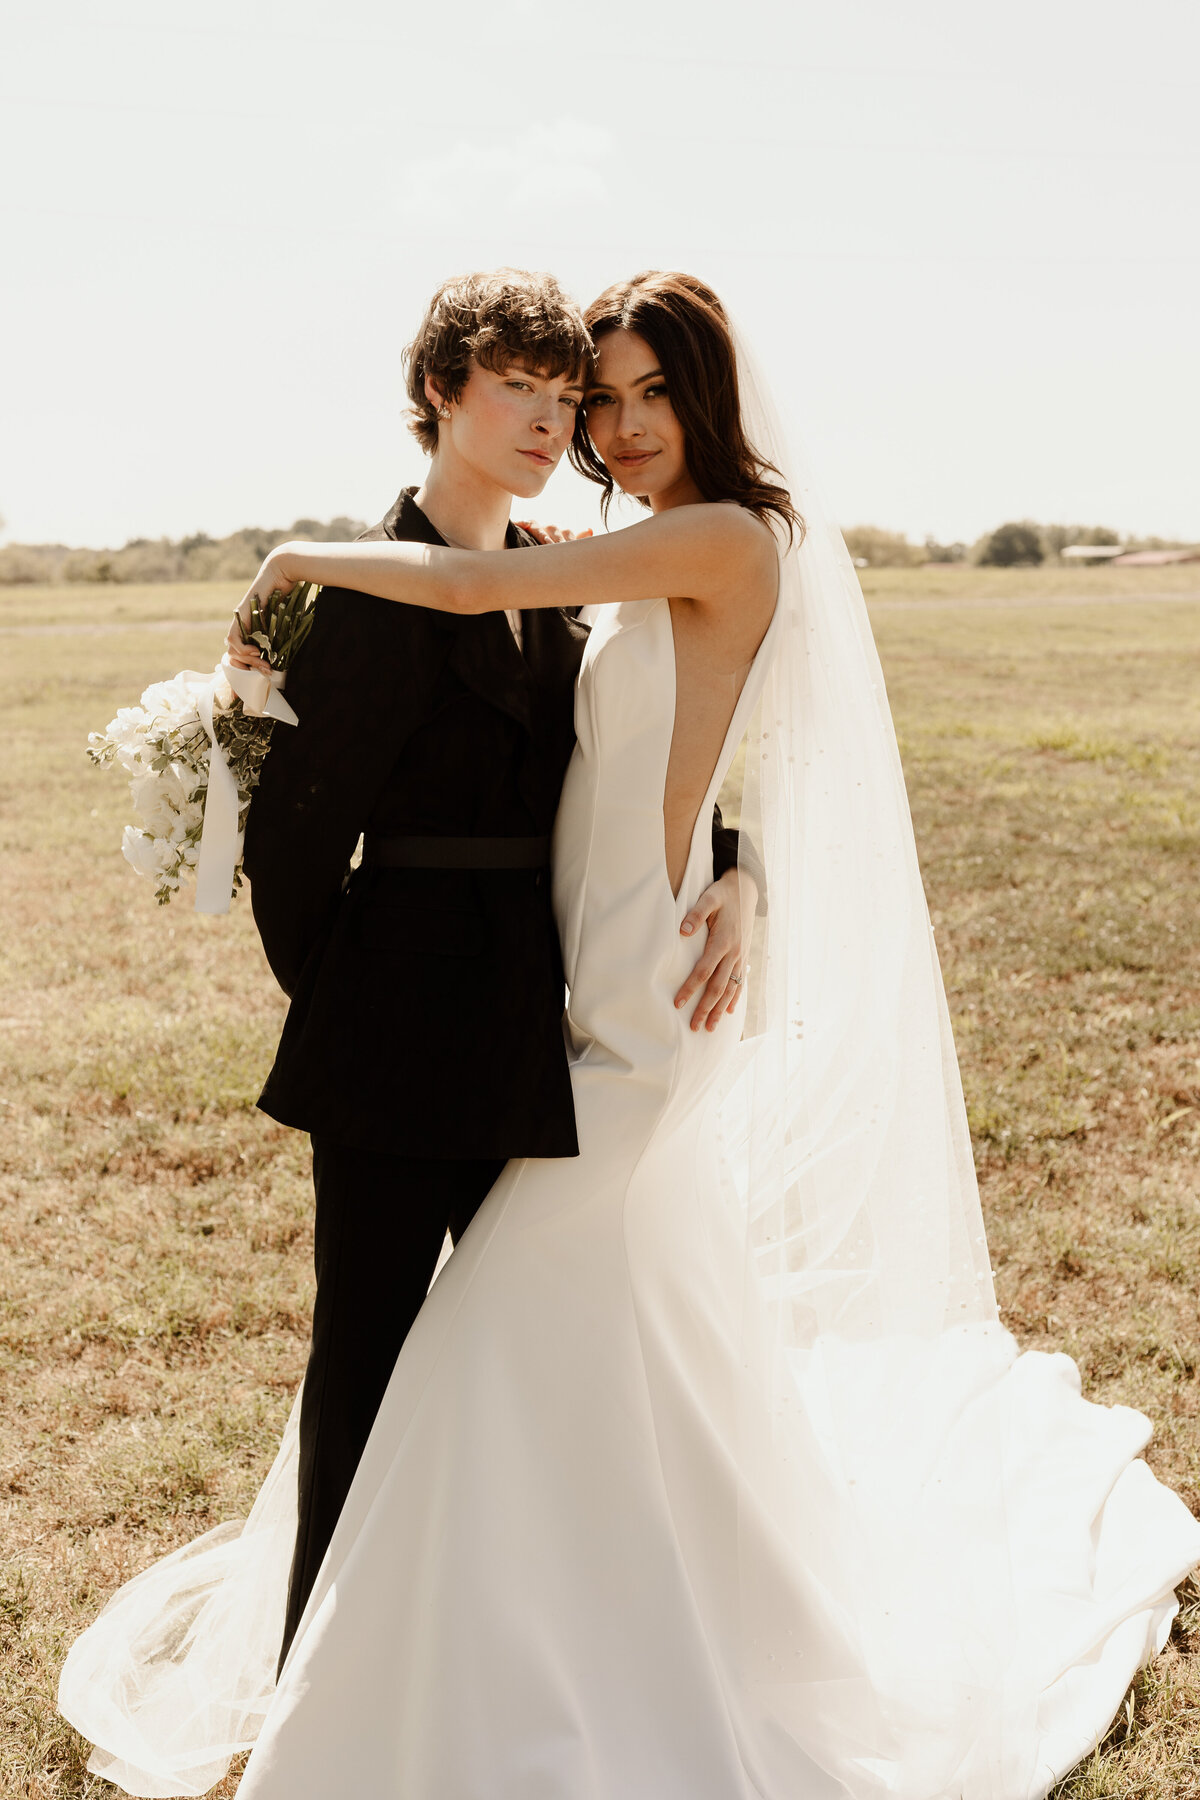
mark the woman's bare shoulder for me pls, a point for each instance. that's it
(743, 550)
(726, 529)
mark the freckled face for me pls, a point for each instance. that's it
(631, 422)
(511, 425)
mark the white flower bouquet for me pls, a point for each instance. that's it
(194, 750)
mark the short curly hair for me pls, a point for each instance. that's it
(497, 316)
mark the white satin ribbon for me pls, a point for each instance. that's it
(260, 692)
(261, 696)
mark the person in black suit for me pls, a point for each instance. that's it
(423, 1046)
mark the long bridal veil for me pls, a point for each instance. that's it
(174, 1677)
(1000, 1559)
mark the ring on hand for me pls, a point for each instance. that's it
(737, 979)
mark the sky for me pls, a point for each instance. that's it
(961, 237)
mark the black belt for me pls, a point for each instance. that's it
(456, 853)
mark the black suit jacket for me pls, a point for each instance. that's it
(426, 1005)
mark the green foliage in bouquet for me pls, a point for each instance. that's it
(278, 625)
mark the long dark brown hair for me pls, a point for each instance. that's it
(685, 325)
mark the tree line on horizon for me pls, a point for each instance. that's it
(238, 556)
(1016, 542)
(196, 558)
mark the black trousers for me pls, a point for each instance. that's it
(380, 1225)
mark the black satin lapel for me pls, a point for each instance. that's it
(554, 642)
(482, 650)
(485, 658)
(405, 521)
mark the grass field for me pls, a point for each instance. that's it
(155, 1230)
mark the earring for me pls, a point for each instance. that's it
(443, 411)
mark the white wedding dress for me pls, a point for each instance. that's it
(573, 1567)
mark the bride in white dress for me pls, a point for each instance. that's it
(707, 1471)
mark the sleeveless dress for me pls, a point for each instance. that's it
(565, 1572)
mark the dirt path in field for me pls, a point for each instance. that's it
(932, 603)
(950, 603)
(110, 626)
